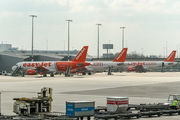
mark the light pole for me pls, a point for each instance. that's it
(164, 52)
(142, 50)
(47, 45)
(32, 33)
(68, 37)
(177, 51)
(108, 49)
(126, 43)
(122, 36)
(64, 45)
(166, 49)
(98, 41)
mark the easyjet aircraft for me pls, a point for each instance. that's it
(104, 65)
(140, 66)
(45, 67)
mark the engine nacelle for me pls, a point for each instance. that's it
(131, 69)
(80, 72)
(73, 71)
(31, 72)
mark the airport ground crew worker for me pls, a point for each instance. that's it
(175, 104)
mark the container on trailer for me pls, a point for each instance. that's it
(0, 103)
(80, 108)
(117, 104)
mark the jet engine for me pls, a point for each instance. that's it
(73, 71)
(31, 72)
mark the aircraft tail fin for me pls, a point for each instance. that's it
(81, 56)
(121, 57)
(171, 57)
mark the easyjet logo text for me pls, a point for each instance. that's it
(170, 55)
(141, 63)
(43, 64)
(97, 64)
(120, 55)
(80, 53)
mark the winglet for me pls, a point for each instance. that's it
(81, 56)
(171, 57)
(121, 56)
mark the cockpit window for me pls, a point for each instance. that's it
(171, 97)
(178, 97)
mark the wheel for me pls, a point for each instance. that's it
(89, 73)
(137, 116)
(81, 118)
(44, 75)
(52, 75)
(88, 118)
(22, 74)
(178, 113)
(83, 73)
(159, 115)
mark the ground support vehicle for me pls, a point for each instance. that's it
(142, 110)
(170, 112)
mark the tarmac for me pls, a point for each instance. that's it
(152, 87)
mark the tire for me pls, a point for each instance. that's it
(44, 75)
(89, 73)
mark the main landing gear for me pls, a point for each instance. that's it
(109, 70)
(68, 71)
(44, 75)
(52, 75)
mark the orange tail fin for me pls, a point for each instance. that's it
(171, 57)
(121, 56)
(81, 56)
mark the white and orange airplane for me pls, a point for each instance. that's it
(104, 65)
(140, 66)
(50, 67)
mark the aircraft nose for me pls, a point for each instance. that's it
(14, 68)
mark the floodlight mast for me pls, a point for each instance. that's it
(32, 34)
(68, 36)
(122, 36)
(98, 41)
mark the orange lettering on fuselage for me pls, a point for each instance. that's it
(97, 64)
(37, 64)
(141, 63)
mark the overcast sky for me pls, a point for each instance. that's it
(149, 24)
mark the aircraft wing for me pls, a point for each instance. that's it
(82, 64)
(41, 69)
(138, 67)
(120, 64)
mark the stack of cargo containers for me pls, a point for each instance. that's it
(117, 104)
